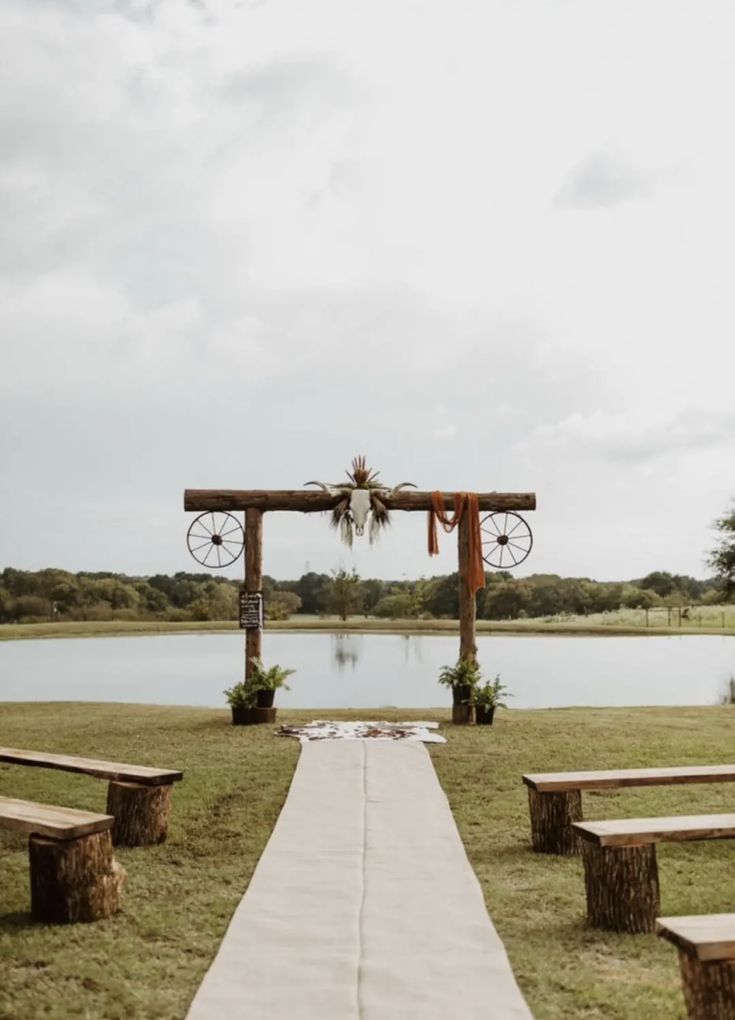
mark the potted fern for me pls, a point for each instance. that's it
(241, 699)
(265, 682)
(487, 698)
(462, 679)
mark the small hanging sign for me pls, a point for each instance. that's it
(251, 610)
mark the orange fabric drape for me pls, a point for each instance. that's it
(464, 502)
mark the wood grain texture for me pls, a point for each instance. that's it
(74, 880)
(676, 829)
(622, 887)
(50, 820)
(552, 815)
(709, 988)
(89, 766)
(704, 936)
(141, 813)
(547, 782)
(253, 579)
(307, 501)
(467, 599)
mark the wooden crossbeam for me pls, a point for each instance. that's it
(306, 501)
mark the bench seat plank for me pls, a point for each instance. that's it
(51, 820)
(704, 936)
(115, 771)
(676, 829)
(548, 782)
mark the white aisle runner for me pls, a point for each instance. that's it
(364, 905)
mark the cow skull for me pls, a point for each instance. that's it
(361, 499)
(360, 507)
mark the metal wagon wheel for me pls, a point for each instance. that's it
(215, 539)
(506, 539)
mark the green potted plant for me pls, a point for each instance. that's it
(265, 682)
(462, 678)
(240, 698)
(487, 698)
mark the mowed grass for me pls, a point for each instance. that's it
(148, 961)
(622, 623)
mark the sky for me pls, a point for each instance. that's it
(487, 244)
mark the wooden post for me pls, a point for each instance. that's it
(253, 578)
(141, 813)
(622, 886)
(552, 815)
(463, 715)
(467, 601)
(74, 879)
(709, 987)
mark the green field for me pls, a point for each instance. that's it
(147, 961)
(710, 620)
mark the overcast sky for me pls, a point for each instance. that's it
(489, 245)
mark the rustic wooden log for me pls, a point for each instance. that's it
(467, 598)
(313, 502)
(141, 813)
(253, 578)
(552, 815)
(75, 879)
(622, 886)
(253, 716)
(709, 987)
(463, 715)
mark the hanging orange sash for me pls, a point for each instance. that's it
(464, 502)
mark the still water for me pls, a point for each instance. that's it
(370, 670)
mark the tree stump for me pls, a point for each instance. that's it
(253, 716)
(552, 815)
(462, 715)
(141, 813)
(74, 879)
(622, 886)
(709, 987)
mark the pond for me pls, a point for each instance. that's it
(370, 670)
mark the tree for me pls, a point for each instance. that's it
(722, 557)
(281, 605)
(344, 593)
(395, 606)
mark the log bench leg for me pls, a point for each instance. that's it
(141, 813)
(622, 886)
(709, 987)
(552, 815)
(74, 879)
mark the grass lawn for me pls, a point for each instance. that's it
(626, 622)
(147, 961)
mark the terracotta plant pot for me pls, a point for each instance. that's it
(265, 699)
(484, 715)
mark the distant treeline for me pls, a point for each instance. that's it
(51, 594)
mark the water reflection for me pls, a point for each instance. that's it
(345, 650)
(369, 670)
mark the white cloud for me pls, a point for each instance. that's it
(244, 241)
(637, 437)
(601, 181)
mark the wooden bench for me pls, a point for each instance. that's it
(706, 945)
(620, 870)
(138, 797)
(555, 798)
(74, 876)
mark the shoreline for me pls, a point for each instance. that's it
(409, 628)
